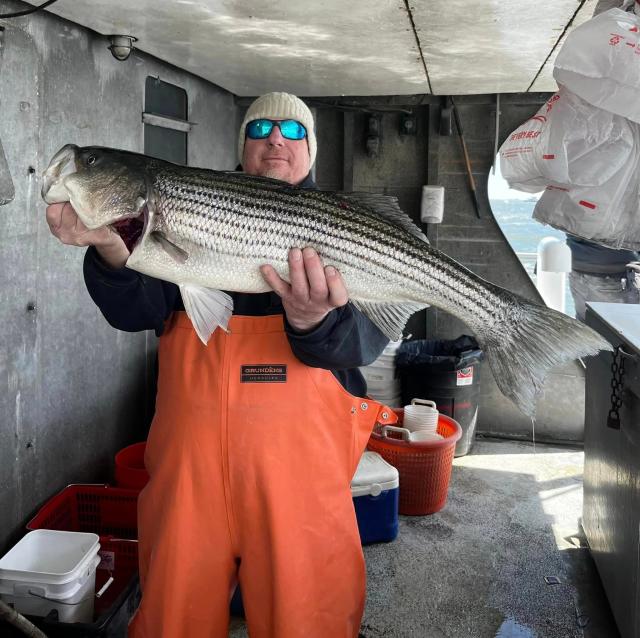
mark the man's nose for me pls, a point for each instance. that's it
(275, 137)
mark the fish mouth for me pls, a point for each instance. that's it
(61, 166)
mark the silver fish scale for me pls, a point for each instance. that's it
(240, 217)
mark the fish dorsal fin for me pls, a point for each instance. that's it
(387, 207)
(275, 184)
(207, 308)
(390, 318)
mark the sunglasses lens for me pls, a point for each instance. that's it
(292, 130)
(259, 129)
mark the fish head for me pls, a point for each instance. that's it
(103, 185)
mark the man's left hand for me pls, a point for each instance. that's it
(315, 290)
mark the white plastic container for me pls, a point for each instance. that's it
(382, 383)
(51, 569)
(421, 415)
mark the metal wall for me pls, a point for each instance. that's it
(72, 389)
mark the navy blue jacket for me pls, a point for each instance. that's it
(592, 258)
(131, 301)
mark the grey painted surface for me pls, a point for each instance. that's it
(380, 47)
(73, 390)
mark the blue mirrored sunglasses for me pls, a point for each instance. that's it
(290, 129)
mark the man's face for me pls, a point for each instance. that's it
(277, 157)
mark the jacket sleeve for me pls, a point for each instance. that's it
(345, 339)
(129, 300)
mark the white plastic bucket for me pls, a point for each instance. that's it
(51, 569)
(421, 415)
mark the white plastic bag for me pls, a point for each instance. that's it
(568, 141)
(608, 214)
(600, 62)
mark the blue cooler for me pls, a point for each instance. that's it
(374, 489)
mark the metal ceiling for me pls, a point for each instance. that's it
(339, 47)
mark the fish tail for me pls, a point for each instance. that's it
(527, 342)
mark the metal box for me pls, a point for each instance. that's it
(611, 510)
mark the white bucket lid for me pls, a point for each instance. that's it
(373, 476)
(49, 556)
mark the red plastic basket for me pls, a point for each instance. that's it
(120, 562)
(130, 471)
(424, 468)
(110, 512)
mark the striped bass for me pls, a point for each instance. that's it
(209, 231)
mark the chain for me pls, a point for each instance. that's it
(617, 386)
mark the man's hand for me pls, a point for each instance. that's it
(65, 224)
(314, 290)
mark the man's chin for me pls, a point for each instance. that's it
(277, 172)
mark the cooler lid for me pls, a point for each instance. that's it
(373, 476)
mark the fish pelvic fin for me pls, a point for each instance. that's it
(528, 341)
(207, 308)
(389, 318)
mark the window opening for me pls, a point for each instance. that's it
(513, 211)
(169, 101)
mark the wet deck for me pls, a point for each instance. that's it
(505, 558)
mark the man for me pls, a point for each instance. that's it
(256, 436)
(599, 273)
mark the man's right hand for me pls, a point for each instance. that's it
(65, 224)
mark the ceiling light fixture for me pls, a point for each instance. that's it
(121, 46)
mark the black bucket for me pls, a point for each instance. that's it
(446, 372)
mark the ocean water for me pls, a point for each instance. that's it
(524, 234)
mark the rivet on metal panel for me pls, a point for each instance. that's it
(385, 415)
(364, 406)
(25, 106)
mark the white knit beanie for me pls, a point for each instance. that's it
(280, 106)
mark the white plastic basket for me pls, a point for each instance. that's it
(51, 569)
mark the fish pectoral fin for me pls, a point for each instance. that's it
(390, 318)
(173, 250)
(207, 308)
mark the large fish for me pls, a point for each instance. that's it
(209, 231)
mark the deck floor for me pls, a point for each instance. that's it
(477, 568)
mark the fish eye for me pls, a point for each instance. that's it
(91, 160)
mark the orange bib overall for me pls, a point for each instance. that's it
(251, 455)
